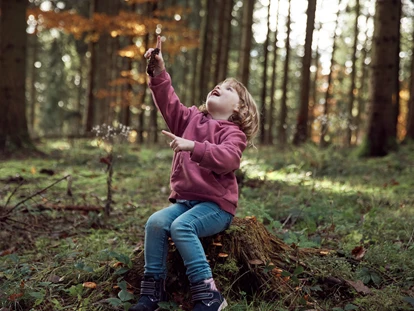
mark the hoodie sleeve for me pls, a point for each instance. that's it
(221, 158)
(175, 114)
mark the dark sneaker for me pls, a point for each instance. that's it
(152, 292)
(206, 299)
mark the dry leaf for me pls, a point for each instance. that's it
(256, 262)
(117, 264)
(216, 244)
(359, 287)
(324, 253)
(33, 170)
(223, 255)
(8, 251)
(253, 218)
(89, 285)
(54, 278)
(358, 252)
(13, 297)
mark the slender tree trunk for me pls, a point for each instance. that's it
(410, 114)
(14, 133)
(283, 109)
(90, 105)
(33, 77)
(352, 89)
(269, 138)
(142, 98)
(226, 37)
(362, 107)
(206, 49)
(264, 127)
(314, 92)
(381, 138)
(396, 93)
(246, 41)
(301, 134)
(329, 88)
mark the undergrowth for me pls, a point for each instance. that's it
(361, 208)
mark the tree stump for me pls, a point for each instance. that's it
(246, 260)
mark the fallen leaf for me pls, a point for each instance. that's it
(33, 170)
(53, 278)
(216, 244)
(223, 255)
(359, 287)
(324, 253)
(13, 297)
(89, 285)
(256, 262)
(117, 264)
(252, 218)
(8, 251)
(358, 252)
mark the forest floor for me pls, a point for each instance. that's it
(60, 259)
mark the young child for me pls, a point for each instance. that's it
(208, 145)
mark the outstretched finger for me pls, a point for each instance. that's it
(159, 42)
(168, 134)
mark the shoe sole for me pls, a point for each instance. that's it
(223, 305)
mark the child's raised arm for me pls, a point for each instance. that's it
(175, 114)
(156, 62)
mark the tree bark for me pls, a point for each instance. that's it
(283, 109)
(246, 41)
(264, 127)
(329, 88)
(301, 134)
(226, 37)
(351, 95)
(14, 133)
(381, 138)
(269, 138)
(410, 114)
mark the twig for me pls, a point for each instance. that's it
(11, 195)
(35, 194)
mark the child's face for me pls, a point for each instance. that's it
(222, 101)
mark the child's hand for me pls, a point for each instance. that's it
(156, 62)
(179, 144)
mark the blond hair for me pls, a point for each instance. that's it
(247, 118)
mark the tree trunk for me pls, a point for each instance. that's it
(90, 105)
(381, 138)
(269, 138)
(244, 258)
(246, 41)
(410, 114)
(14, 133)
(33, 77)
(283, 109)
(206, 50)
(301, 134)
(226, 37)
(396, 92)
(328, 94)
(350, 118)
(362, 107)
(264, 127)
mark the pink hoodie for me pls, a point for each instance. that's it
(206, 174)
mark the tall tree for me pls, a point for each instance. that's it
(226, 37)
(301, 133)
(410, 114)
(381, 138)
(396, 92)
(14, 133)
(206, 49)
(283, 104)
(269, 138)
(246, 41)
(329, 87)
(264, 126)
(351, 94)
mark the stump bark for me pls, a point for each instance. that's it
(246, 260)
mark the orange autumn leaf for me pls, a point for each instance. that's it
(14, 297)
(223, 255)
(89, 285)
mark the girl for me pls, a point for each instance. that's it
(208, 145)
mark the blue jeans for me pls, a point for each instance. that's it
(185, 222)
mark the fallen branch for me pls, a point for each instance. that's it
(83, 208)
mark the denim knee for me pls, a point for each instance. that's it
(178, 227)
(157, 221)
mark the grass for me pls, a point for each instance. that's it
(307, 196)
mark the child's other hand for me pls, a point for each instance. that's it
(179, 144)
(158, 65)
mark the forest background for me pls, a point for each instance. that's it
(334, 158)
